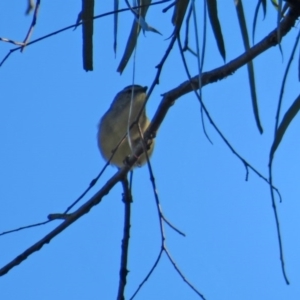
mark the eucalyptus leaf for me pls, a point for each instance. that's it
(132, 39)
(285, 123)
(216, 27)
(243, 27)
(87, 15)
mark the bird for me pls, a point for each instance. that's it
(114, 126)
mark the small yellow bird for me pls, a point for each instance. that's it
(115, 124)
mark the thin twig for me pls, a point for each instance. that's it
(244, 162)
(11, 41)
(152, 178)
(278, 230)
(33, 22)
(182, 275)
(148, 275)
(127, 199)
(92, 183)
(159, 69)
(217, 128)
(161, 219)
(25, 227)
(74, 26)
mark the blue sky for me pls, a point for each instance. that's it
(49, 112)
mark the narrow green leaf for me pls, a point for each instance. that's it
(279, 15)
(216, 27)
(132, 39)
(264, 5)
(116, 7)
(243, 27)
(179, 13)
(287, 119)
(284, 81)
(87, 15)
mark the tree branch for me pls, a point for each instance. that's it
(168, 100)
(220, 73)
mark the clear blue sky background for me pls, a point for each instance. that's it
(49, 111)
